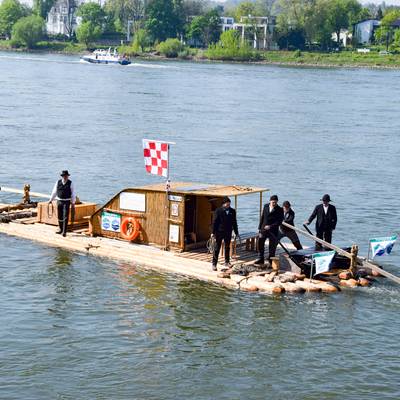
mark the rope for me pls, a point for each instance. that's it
(211, 245)
(50, 214)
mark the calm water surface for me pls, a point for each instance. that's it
(74, 326)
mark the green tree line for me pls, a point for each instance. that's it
(299, 23)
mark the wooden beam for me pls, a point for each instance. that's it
(18, 191)
(365, 263)
(318, 240)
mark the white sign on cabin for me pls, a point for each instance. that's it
(132, 201)
(174, 233)
(175, 209)
(172, 197)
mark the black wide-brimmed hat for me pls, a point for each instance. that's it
(226, 200)
(326, 197)
(64, 173)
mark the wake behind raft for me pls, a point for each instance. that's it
(171, 231)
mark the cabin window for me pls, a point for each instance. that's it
(132, 201)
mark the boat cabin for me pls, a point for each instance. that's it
(180, 219)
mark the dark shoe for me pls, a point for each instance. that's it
(64, 234)
(228, 265)
(214, 267)
(59, 232)
(260, 261)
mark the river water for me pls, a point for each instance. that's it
(74, 326)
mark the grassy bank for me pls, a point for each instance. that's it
(48, 46)
(340, 59)
(347, 58)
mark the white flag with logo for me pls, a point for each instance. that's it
(383, 245)
(323, 261)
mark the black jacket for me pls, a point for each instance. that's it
(225, 222)
(324, 222)
(273, 218)
(288, 217)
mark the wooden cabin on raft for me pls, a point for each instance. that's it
(179, 220)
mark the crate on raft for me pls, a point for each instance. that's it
(180, 220)
(47, 214)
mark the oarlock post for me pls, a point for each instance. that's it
(353, 260)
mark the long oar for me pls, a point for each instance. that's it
(18, 191)
(307, 229)
(361, 260)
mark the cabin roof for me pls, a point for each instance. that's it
(204, 189)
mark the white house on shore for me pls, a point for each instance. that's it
(363, 31)
(257, 30)
(345, 37)
(61, 19)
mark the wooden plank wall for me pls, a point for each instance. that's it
(153, 222)
(204, 219)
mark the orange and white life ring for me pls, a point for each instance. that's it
(130, 228)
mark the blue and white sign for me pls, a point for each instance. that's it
(323, 261)
(382, 245)
(110, 221)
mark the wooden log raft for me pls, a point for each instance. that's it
(6, 217)
(360, 261)
(155, 259)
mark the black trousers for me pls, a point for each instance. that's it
(324, 234)
(63, 215)
(273, 243)
(219, 237)
(292, 235)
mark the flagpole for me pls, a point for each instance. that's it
(312, 265)
(369, 249)
(158, 141)
(167, 206)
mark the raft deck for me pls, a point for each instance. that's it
(194, 264)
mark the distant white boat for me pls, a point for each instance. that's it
(101, 56)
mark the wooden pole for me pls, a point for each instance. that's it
(323, 242)
(367, 264)
(353, 260)
(18, 191)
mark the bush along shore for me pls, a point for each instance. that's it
(172, 49)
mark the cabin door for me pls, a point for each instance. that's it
(190, 219)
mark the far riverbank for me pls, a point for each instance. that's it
(343, 59)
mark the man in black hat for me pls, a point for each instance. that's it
(326, 220)
(271, 219)
(64, 192)
(223, 224)
(288, 217)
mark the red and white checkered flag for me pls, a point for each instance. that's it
(156, 157)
